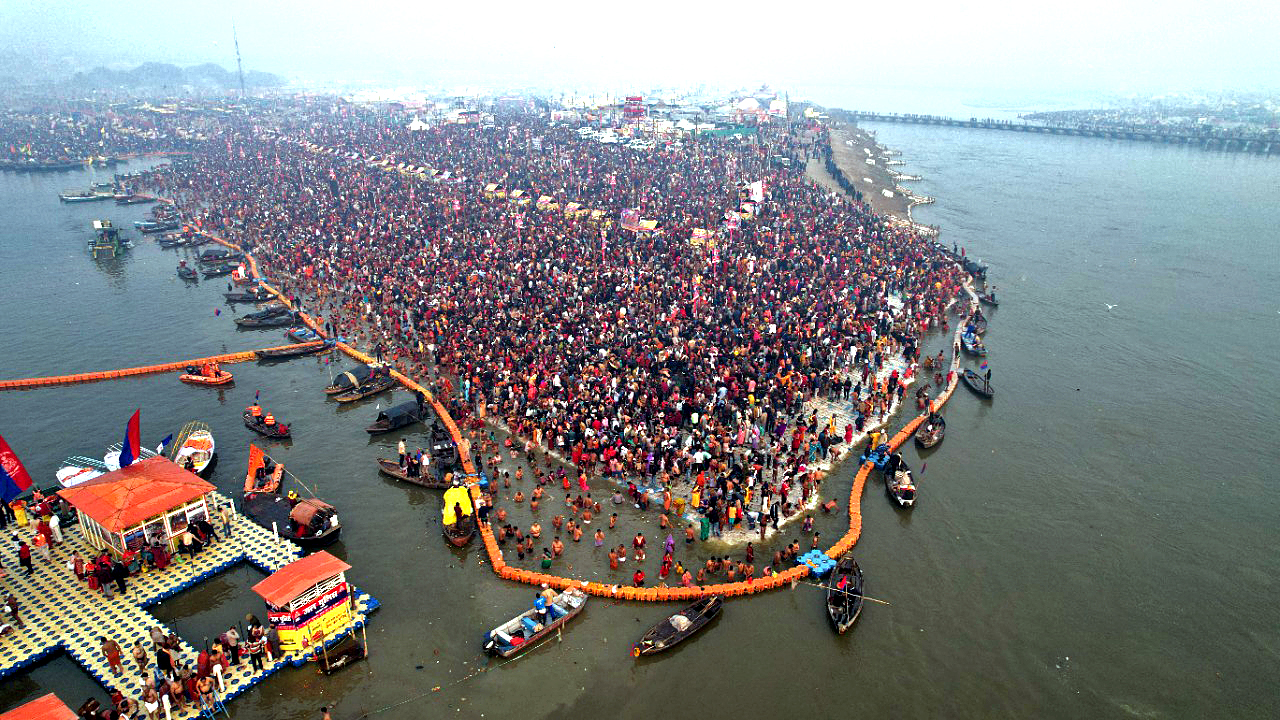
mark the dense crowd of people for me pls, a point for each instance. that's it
(673, 362)
(630, 354)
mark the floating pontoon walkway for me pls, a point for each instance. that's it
(62, 613)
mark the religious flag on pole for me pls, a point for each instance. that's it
(164, 444)
(983, 365)
(132, 446)
(14, 479)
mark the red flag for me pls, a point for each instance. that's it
(14, 479)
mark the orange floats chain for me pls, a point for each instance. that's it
(27, 383)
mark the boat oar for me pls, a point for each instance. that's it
(845, 592)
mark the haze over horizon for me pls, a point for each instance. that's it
(995, 48)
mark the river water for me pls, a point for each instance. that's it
(1099, 541)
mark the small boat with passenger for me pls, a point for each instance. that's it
(310, 522)
(679, 627)
(210, 373)
(523, 631)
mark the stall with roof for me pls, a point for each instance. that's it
(151, 501)
(309, 605)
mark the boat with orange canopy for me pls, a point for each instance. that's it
(309, 522)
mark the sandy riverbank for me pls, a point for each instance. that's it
(880, 183)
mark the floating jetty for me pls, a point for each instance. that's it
(61, 613)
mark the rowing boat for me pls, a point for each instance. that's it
(275, 431)
(195, 443)
(294, 351)
(931, 431)
(396, 417)
(978, 384)
(899, 482)
(373, 387)
(844, 594)
(679, 627)
(391, 468)
(523, 631)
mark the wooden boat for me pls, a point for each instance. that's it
(295, 351)
(972, 344)
(931, 431)
(269, 318)
(134, 200)
(345, 652)
(975, 268)
(187, 273)
(309, 522)
(391, 468)
(197, 376)
(444, 453)
(214, 271)
(147, 227)
(978, 383)
(679, 627)
(377, 385)
(898, 481)
(457, 517)
(248, 295)
(220, 255)
(195, 444)
(396, 417)
(302, 334)
(279, 431)
(844, 594)
(461, 533)
(82, 196)
(348, 380)
(989, 299)
(516, 635)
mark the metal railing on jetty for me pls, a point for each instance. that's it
(1265, 143)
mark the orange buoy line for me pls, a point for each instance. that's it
(236, 357)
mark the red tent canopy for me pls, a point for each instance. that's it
(125, 498)
(48, 707)
(293, 579)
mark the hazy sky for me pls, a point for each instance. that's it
(981, 47)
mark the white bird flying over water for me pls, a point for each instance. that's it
(1109, 305)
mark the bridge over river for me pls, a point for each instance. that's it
(1208, 140)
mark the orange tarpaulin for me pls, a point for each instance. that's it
(48, 707)
(297, 577)
(125, 498)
